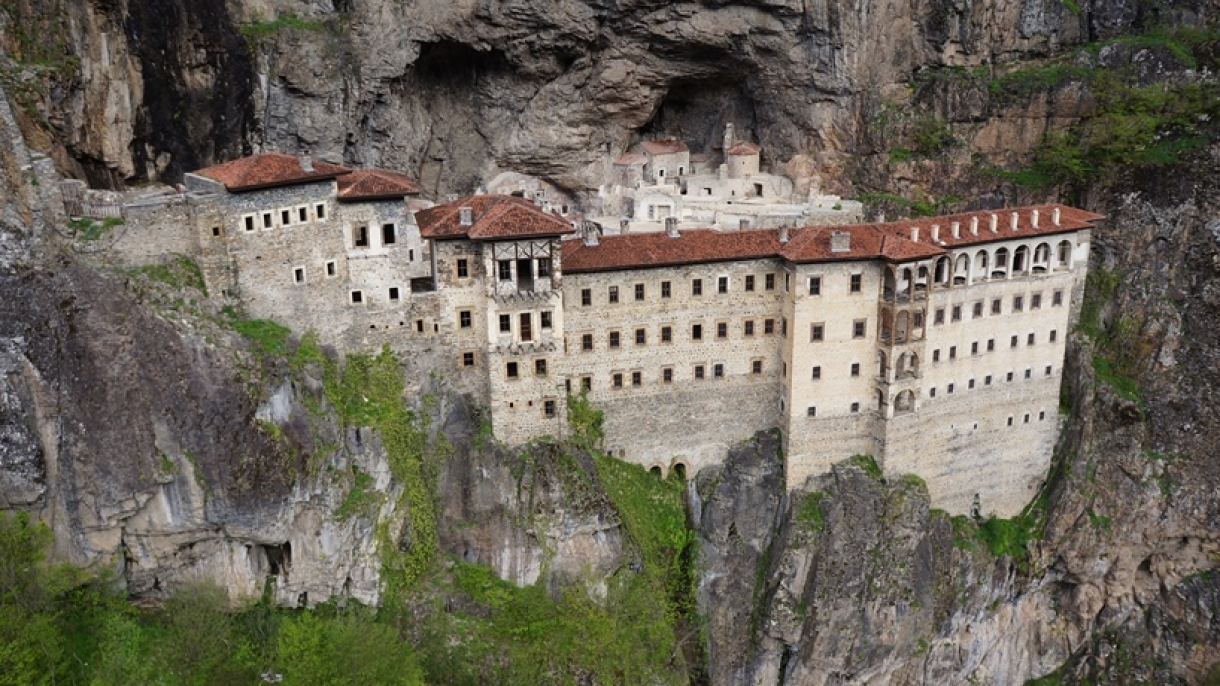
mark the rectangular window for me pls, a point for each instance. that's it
(957, 313)
(936, 355)
(696, 287)
(857, 328)
(974, 348)
(949, 389)
(1057, 298)
(995, 306)
(855, 282)
(722, 284)
(249, 223)
(718, 371)
(768, 326)
(698, 371)
(990, 344)
(330, 268)
(932, 392)
(463, 268)
(749, 327)
(1018, 303)
(504, 269)
(665, 289)
(855, 407)
(1053, 335)
(1029, 373)
(614, 339)
(1013, 342)
(411, 255)
(267, 221)
(302, 214)
(817, 373)
(548, 409)
(939, 317)
(816, 332)
(511, 370)
(319, 211)
(722, 329)
(1035, 301)
(419, 326)
(613, 294)
(987, 380)
(298, 275)
(640, 337)
(855, 369)
(586, 383)
(387, 234)
(1010, 421)
(696, 332)
(586, 296)
(970, 384)
(527, 329)
(540, 367)
(811, 411)
(815, 285)
(1048, 370)
(467, 359)
(639, 291)
(667, 375)
(360, 236)
(506, 323)
(756, 366)
(464, 319)
(1029, 340)
(544, 267)
(545, 318)
(357, 297)
(586, 341)
(953, 352)
(285, 217)
(393, 293)
(978, 310)
(667, 334)
(617, 380)
(1009, 377)
(769, 282)
(637, 378)
(749, 282)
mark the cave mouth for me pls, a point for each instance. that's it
(450, 63)
(695, 110)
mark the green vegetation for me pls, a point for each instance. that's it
(1052, 679)
(1120, 348)
(900, 155)
(89, 229)
(359, 498)
(1098, 521)
(866, 463)
(270, 337)
(180, 272)
(897, 205)
(932, 135)
(809, 513)
(257, 32)
(585, 421)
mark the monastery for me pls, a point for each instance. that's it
(934, 345)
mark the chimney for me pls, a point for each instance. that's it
(974, 225)
(783, 234)
(880, 217)
(995, 222)
(671, 227)
(306, 163)
(451, 197)
(624, 225)
(1033, 218)
(1013, 222)
(1055, 216)
(957, 230)
(466, 216)
(915, 233)
(840, 241)
(590, 237)
(936, 233)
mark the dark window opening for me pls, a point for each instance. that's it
(527, 331)
(463, 268)
(511, 370)
(393, 292)
(357, 297)
(540, 367)
(360, 236)
(387, 234)
(298, 275)
(467, 359)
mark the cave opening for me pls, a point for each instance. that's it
(696, 110)
(279, 558)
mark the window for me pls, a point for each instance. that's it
(215, 232)
(614, 339)
(1053, 335)
(357, 297)
(540, 367)
(545, 318)
(855, 407)
(511, 370)
(936, 355)
(586, 341)
(1029, 340)
(302, 215)
(768, 326)
(749, 282)
(987, 380)
(665, 289)
(527, 331)
(1035, 301)
(1018, 303)
(319, 211)
(667, 375)
(918, 319)
(811, 411)
(298, 275)
(722, 329)
(641, 337)
(387, 234)
(467, 359)
(617, 380)
(267, 222)
(696, 287)
(1013, 342)
(974, 348)
(953, 352)
(249, 223)
(855, 369)
(855, 284)
(667, 334)
(393, 293)
(639, 291)
(464, 319)
(939, 317)
(815, 285)
(504, 268)
(1057, 298)
(1041, 416)
(419, 325)
(1008, 377)
(769, 282)
(949, 389)
(696, 332)
(749, 327)
(1026, 417)
(330, 268)
(506, 323)
(722, 284)
(544, 267)
(718, 371)
(995, 306)
(285, 217)
(756, 366)
(1048, 370)
(990, 344)
(463, 268)
(932, 392)
(970, 384)
(613, 296)
(978, 310)
(698, 371)
(360, 236)
(637, 378)
(586, 297)
(817, 373)
(816, 331)
(1010, 421)
(957, 313)
(548, 409)
(857, 328)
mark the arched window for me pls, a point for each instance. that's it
(1000, 270)
(906, 287)
(902, 327)
(655, 470)
(887, 326)
(1020, 260)
(889, 288)
(883, 368)
(679, 468)
(918, 317)
(905, 402)
(943, 268)
(1065, 254)
(981, 264)
(961, 271)
(921, 281)
(908, 365)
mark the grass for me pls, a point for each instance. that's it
(809, 513)
(268, 336)
(258, 31)
(359, 497)
(866, 463)
(179, 272)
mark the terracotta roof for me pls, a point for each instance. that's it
(269, 170)
(375, 184)
(666, 146)
(889, 241)
(493, 217)
(629, 159)
(743, 148)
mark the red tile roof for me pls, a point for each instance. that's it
(269, 170)
(667, 146)
(743, 148)
(493, 217)
(375, 184)
(629, 159)
(890, 241)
